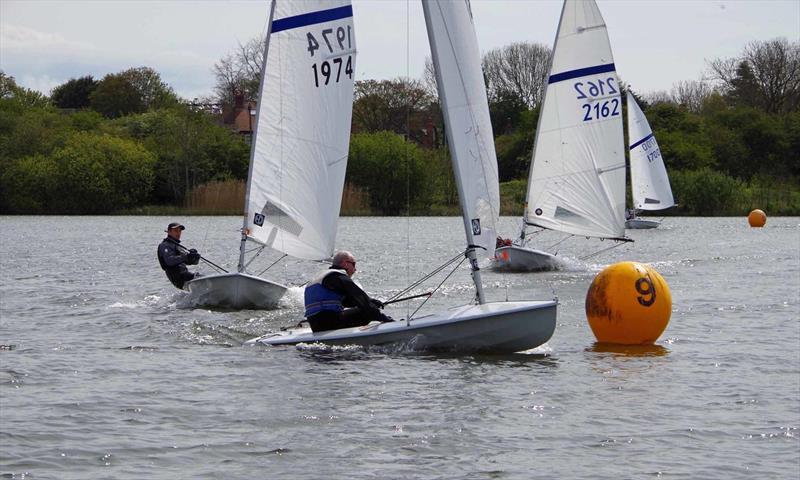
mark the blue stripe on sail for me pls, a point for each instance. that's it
(640, 142)
(312, 18)
(581, 72)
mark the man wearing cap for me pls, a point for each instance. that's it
(173, 257)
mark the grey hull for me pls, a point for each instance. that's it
(641, 224)
(235, 291)
(519, 259)
(498, 327)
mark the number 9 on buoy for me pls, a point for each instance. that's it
(628, 303)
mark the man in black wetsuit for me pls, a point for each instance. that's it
(332, 290)
(173, 257)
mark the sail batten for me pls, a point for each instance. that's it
(649, 182)
(302, 134)
(578, 159)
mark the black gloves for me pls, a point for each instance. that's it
(376, 303)
(192, 258)
(385, 318)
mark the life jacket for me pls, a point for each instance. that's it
(318, 298)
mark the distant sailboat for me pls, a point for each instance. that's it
(485, 326)
(300, 146)
(577, 176)
(649, 182)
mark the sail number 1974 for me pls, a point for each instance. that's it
(337, 42)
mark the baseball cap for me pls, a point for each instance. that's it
(175, 225)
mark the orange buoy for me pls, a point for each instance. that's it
(757, 218)
(628, 303)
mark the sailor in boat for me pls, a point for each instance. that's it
(334, 301)
(173, 257)
(502, 242)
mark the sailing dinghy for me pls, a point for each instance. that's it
(649, 182)
(484, 326)
(300, 146)
(576, 183)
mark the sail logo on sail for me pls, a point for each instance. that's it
(476, 226)
(258, 219)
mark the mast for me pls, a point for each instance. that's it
(243, 244)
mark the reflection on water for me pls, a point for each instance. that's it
(629, 350)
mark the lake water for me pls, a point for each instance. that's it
(104, 372)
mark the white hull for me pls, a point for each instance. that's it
(497, 327)
(234, 291)
(641, 224)
(519, 259)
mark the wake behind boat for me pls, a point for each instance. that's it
(300, 146)
(576, 183)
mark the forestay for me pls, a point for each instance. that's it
(302, 137)
(649, 181)
(456, 56)
(577, 177)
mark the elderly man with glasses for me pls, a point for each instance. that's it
(334, 301)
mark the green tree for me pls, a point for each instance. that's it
(74, 93)
(389, 105)
(90, 174)
(514, 151)
(102, 174)
(704, 191)
(154, 93)
(115, 96)
(390, 169)
(681, 137)
(191, 149)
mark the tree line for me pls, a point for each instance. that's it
(730, 140)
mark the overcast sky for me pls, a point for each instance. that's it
(656, 43)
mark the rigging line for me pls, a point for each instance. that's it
(437, 288)
(560, 242)
(408, 169)
(254, 257)
(273, 263)
(585, 257)
(427, 276)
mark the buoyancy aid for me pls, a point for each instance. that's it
(319, 298)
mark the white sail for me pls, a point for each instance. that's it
(301, 141)
(649, 181)
(577, 176)
(462, 91)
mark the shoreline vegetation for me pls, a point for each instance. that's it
(127, 144)
(227, 199)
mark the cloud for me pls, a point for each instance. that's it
(42, 61)
(19, 38)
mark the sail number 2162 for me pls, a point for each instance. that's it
(594, 91)
(337, 42)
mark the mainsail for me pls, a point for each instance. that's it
(301, 141)
(649, 181)
(577, 176)
(454, 47)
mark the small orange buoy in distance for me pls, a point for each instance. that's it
(628, 303)
(757, 218)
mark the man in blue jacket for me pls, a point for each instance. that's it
(173, 257)
(334, 301)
